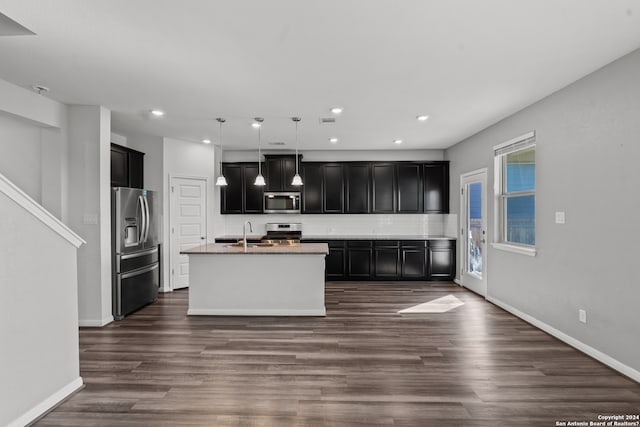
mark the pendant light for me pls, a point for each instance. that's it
(259, 179)
(297, 181)
(221, 181)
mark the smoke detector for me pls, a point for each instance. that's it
(40, 89)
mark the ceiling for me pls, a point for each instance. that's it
(465, 63)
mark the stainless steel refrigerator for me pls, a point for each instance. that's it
(135, 240)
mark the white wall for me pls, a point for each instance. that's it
(21, 156)
(90, 209)
(340, 155)
(587, 160)
(39, 362)
(182, 158)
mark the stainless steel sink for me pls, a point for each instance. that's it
(249, 245)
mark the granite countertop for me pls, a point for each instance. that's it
(224, 248)
(374, 237)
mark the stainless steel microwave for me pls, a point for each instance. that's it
(282, 202)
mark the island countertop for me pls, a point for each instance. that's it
(225, 248)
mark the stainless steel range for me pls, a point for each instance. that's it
(283, 233)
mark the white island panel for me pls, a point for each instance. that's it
(245, 284)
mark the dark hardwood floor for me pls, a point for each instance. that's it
(362, 365)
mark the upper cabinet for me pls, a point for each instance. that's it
(409, 194)
(358, 188)
(279, 172)
(348, 187)
(240, 195)
(436, 187)
(127, 167)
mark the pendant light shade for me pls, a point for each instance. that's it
(259, 179)
(297, 180)
(221, 181)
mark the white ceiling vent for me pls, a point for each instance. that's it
(327, 120)
(276, 143)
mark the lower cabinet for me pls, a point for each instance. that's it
(359, 259)
(441, 260)
(390, 259)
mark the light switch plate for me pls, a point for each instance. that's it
(90, 219)
(560, 218)
(582, 315)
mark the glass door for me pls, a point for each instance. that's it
(473, 229)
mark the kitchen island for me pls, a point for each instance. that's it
(226, 280)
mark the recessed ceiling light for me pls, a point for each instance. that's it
(157, 113)
(333, 140)
(337, 110)
(422, 118)
(206, 141)
(397, 141)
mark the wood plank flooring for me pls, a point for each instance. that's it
(362, 365)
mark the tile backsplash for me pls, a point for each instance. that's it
(345, 224)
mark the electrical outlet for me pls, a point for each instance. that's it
(560, 218)
(582, 315)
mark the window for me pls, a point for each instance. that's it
(515, 167)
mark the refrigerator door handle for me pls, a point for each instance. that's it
(143, 219)
(146, 205)
(139, 272)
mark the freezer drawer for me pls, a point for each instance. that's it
(135, 260)
(134, 290)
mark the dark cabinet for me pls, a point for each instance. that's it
(358, 187)
(335, 260)
(441, 259)
(383, 186)
(359, 259)
(279, 172)
(410, 193)
(127, 167)
(436, 187)
(253, 202)
(312, 190)
(333, 184)
(386, 260)
(240, 195)
(390, 259)
(413, 260)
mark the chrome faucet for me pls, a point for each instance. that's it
(244, 233)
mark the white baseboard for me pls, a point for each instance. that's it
(587, 349)
(256, 312)
(93, 323)
(458, 281)
(47, 404)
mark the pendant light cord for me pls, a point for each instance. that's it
(296, 148)
(259, 153)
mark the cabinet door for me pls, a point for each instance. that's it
(386, 261)
(383, 188)
(409, 192)
(252, 193)
(335, 261)
(288, 171)
(312, 188)
(232, 194)
(436, 188)
(359, 259)
(136, 169)
(414, 261)
(333, 183)
(273, 174)
(441, 258)
(119, 167)
(358, 188)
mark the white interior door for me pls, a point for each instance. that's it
(473, 229)
(188, 224)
